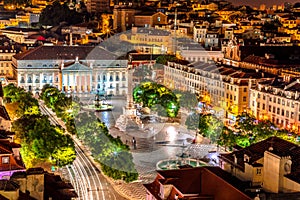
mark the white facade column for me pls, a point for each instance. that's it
(68, 81)
(79, 84)
(26, 80)
(86, 86)
(53, 78)
(74, 81)
(41, 80)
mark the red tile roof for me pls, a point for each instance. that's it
(66, 53)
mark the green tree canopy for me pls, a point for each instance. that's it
(63, 106)
(114, 156)
(210, 126)
(25, 102)
(42, 140)
(150, 94)
(187, 99)
(164, 59)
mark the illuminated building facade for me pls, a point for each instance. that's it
(227, 87)
(278, 101)
(72, 69)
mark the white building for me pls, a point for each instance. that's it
(73, 69)
(199, 32)
(277, 101)
(201, 54)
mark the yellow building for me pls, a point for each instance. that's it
(227, 87)
(204, 6)
(150, 40)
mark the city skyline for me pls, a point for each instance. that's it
(256, 3)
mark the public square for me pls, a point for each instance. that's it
(156, 141)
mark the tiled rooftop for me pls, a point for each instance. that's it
(66, 53)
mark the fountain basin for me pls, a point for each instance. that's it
(176, 163)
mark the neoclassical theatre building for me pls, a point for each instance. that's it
(72, 69)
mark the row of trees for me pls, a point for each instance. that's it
(64, 107)
(157, 97)
(247, 130)
(40, 141)
(114, 157)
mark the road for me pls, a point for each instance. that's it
(85, 177)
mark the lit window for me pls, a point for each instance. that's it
(5, 160)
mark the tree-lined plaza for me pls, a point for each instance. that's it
(114, 157)
(40, 140)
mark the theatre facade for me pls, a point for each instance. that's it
(72, 69)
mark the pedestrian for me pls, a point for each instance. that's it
(134, 143)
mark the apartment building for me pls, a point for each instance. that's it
(278, 101)
(227, 87)
(98, 6)
(199, 32)
(200, 54)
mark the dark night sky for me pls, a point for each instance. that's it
(258, 2)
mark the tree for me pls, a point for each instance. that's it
(63, 156)
(164, 59)
(56, 13)
(210, 126)
(192, 121)
(24, 102)
(114, 156)
(150, 94)
(227, 138)
(43, 140)
(246, 124)
(187, 99)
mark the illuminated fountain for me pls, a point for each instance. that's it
(99, 104)
(182, 160)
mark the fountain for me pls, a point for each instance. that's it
(99, 104)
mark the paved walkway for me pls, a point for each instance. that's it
(151, 148)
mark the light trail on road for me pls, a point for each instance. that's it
(83, 174)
